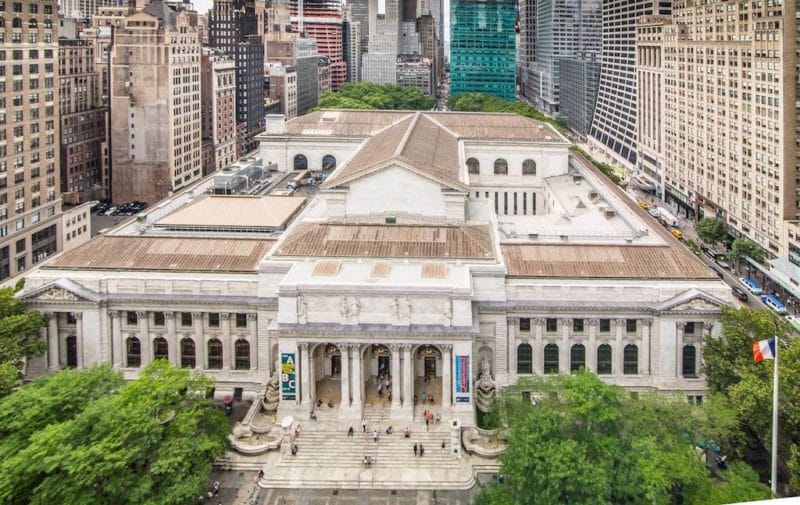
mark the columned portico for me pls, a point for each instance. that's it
(172, 337)
(395, 348)
(78, 337)
(52, 342)
(345, 378)
(408, 380)
(591, 356)
(447, 367)
(618, 347)
(358, 378)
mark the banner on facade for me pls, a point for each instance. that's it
(288, 376)
(462, 379)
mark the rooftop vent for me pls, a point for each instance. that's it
(593, 194)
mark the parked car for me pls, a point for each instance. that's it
(773, 303)
(739, 293)
(644, 204)
(751, 286)
(676, 233)
(794, 321)
(653, 211)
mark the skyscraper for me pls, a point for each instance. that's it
(483, 47)
(379, 64)
(579, 78)
(321, 20)
(233, 29)
(351, 45)
(85, 9)
(614, 122)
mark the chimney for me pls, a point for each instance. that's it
(276, 124)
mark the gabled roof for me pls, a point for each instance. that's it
(692, 300)
(416, 142)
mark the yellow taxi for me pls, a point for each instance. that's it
(644, 204)
(676, 233)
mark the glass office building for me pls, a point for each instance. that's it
(483, 47)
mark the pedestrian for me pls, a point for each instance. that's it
(421, 450)
(442, 444)
(375, 436)
(364, 425)
(408, 433)
(415, 449)
(216, 488)
(427, 423)
(294, 450)
(350, 431)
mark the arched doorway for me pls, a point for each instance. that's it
(72, 351)
(328, 163)
(300, 162)
(377, 364)
(327, 374)
(427, 376)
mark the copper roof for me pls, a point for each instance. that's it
(602, 261)
(389, 241)
(166, 253)
(343, 123)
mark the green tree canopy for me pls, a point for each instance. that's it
(482, 102)
(19, 337)
(711, 230)
(742, 248)
(368, 95)
(84, 437)
(586, 442)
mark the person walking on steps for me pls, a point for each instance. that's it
(350, 431)
(421, 450)
(364, 425)
(415, 449)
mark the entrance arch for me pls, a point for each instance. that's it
(72, 351)
(327, 374)
(378, 374)
(300, 162)
(427, 361)
(328, 163)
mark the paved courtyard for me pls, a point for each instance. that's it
(363, 497)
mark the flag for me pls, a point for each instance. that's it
(764, 349)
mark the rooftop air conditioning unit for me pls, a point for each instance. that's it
(609, 212)
(593, 194)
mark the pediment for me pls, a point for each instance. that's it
(694, 300)
(61, 290)
(59, 294)
(401, 168)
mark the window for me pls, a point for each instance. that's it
(552, 324)
(688, 329)
(242, 355)
(630, 360)
(630, 326)
(577, 357)
(215, 354)
(524, 359)
(20, 245)
(551, 358)
(524, 324)
(186, 318)
(187, 353)
(577, 325)
(160, 346)
(241, 320)
(473, 166)
(604, 359)
(213, 320)
(158, 319)
(605, 325)
(133, 352)
(500, 166)
(72, 351)
(328, 162)
(689, 367)
(528, 167)
(130, 317)
(300, 162)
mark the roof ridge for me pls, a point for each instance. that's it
(432, 118)
(401, 146)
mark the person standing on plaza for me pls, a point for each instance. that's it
(415, 449)
(421, 450)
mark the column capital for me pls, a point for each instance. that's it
(594, 321)
(303, 346)
(681, 325)
(394, 347)
(225, 316)
(49, 315)
(113, 314)
(252, 316)
(621, 322)
(77, 315)
(539, 320)
(565, 320)
(406, 347)
(141, 314)
(169, 315)
(446, 347)
(198, 316)
(344, 346)
(648, 321)
(708, 326)
(513, 321)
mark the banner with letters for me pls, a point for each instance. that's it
(462, 379)
(288, 376)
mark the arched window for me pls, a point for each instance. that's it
(16, 23)
(528, 167)
(551, 358)
(328, 162)
(689, 367)
(577, 357)
(604, 359)
(33, 24)
(524, 358)
(48, 24)
(72, 351)
(242, 354)
(473, 166)
(500, 166)
(188, 353)
(630, 360)
(133, 352)
(300, 162)
(160, 348)
(215, 354)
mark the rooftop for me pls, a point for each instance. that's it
(220, 212)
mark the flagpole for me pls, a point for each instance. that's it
(775, 420)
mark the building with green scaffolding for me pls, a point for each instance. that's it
(483, 47)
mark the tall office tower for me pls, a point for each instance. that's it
(409, 38)
(283, 87)
(526, 69)
(417, 71)
(218, 93)
(614, 123)
(564, 29)
(379, 64)
(307, 67)
(434, 9)
(324, 74)
(202, 28)
(155, 104)
(321, 20)
(233, 29)
(649, 113)
(30, 196)
(579, 78)
(483, 47)
(360, 12)
(430, 44)
(261, 18)
(729, 116)
(351, 45)
(85, 9)
(82, 114)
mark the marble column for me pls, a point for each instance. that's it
(395, 348)
(252, 321)
(591, 350)
(227, 348)
(117, 352)
(53, 362)
(173, 351)
(79, 337)
(344, 381)
(144, 336)
(358, 377)
(644, 362)
(617, 359)
(447, 372)
(538, 346)
(679, 327)
(408, 377)
(199, 340)
(700, 348)
(304, 395)
(563, 349)
(513, 323)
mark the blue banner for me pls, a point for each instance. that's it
(462, 378)
(288, 376)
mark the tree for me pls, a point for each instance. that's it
(152, 441)
(711, 230)
(19, 337)
(743, 248)
(368, 95)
